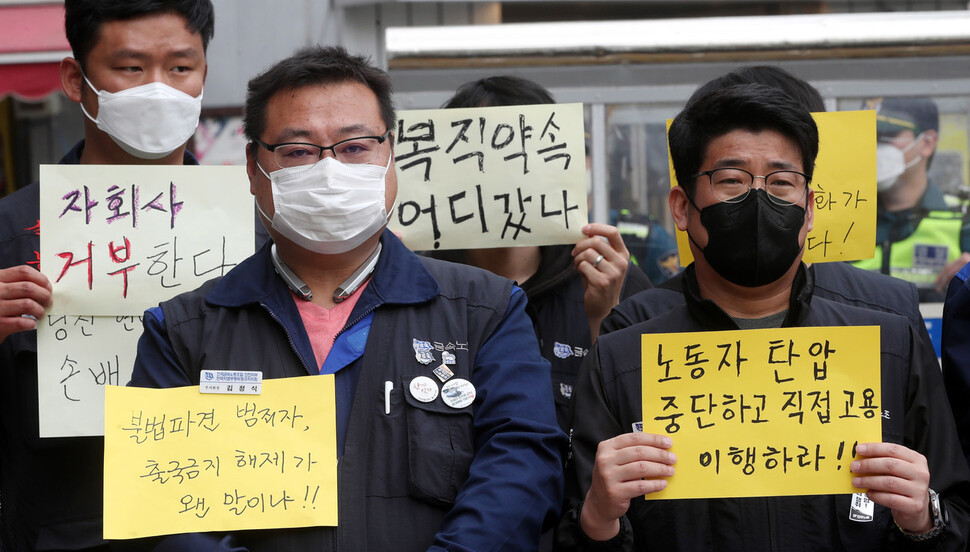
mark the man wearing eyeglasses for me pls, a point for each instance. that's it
(446, 432)
(744, 157)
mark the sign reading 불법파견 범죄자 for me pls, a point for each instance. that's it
(180, 461)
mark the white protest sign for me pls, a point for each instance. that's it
(490, 177)
(77, 356)
(118, 239)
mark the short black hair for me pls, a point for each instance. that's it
(314, 66)
(769, 75)
(753, 107)
(501, 90)
(83, 19)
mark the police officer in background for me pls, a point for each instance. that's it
(922, 236)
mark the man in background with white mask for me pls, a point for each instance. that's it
(138, 71)
(446, 431)
(921, 235)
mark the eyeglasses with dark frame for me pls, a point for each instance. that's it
(352, 151)
(731, 185)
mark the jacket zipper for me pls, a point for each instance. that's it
(349, 325)
(289, 338)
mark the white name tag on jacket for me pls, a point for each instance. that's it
(231, 382)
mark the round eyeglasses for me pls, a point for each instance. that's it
(353, 151)
(731, 185)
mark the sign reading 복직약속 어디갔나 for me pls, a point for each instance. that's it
(180, 461)
(490, 177)
(762, 412)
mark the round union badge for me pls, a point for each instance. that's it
(424, 389)
(458, 393)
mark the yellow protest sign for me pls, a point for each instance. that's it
(845, 190)
(762, 412)
(118, 239)
(179, 461)
(490, 177)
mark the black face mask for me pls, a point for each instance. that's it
(753, 242)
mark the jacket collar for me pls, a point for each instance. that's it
(73, 157)
(712, 317)
(399, 278)
(555, 268)
(933, 199)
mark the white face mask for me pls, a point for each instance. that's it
(329, 207)
(891, 163)
(148, 121)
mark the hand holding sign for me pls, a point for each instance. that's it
(23, 290)
(602, 260)
(626, 466)
(898, 478)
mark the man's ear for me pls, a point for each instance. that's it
(928, 143)
(679, 206)
(810, 209)
(251, 168)
(72, 79)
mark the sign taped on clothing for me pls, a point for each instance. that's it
(179, 461)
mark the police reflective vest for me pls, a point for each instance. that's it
(921, 256)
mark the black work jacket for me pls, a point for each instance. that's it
(608, 401)
(556, 294)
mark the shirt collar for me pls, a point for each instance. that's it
(399, 278)
(712, 317)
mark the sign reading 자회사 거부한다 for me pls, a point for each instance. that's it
(117, 240)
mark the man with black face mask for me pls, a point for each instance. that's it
(836, 281)
(744, 157)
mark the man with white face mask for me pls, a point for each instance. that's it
(446, 431)
(137, 70)
(921, 235)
